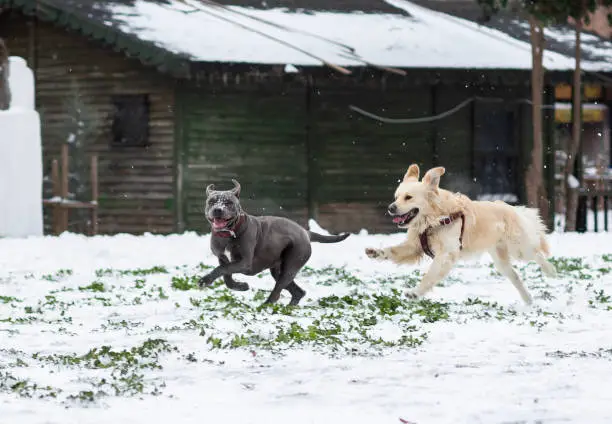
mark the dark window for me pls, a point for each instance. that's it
(496, 153)
(130, 120)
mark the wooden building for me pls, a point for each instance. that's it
(304, 137)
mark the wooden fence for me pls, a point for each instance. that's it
(600, 203)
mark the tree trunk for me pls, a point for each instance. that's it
(5, 90)
(571, 191)
(534, 178)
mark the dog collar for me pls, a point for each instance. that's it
(443, 221)
(231, 231)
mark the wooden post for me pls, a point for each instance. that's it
(55, 210)
(5, 90)
(312, 155)
(549, 155)
(64, 187)
(94, 195)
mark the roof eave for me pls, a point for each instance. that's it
(150, 55)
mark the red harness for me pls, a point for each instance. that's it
(444, 221)
(231, 231)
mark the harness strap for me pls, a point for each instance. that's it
(423, 237)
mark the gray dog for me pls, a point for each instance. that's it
(247, 244)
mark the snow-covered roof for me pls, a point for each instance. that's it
(348, 33)
(596, 50)
(422, 38)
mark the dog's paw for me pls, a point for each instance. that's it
(374, 253)
(237, 286)
(207, 280)
(413, 295)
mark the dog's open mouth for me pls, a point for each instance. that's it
(405, 218)
(220, 223)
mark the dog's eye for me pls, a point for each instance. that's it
(406, 197)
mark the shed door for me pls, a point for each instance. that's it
(257, 138)
(496, 152)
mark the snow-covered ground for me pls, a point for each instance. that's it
(112, 330)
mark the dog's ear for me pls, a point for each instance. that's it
(236, 189)
(209, 189)
(412, 174)
(432, 177)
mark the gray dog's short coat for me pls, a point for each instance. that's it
(247, 245)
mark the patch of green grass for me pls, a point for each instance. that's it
(600, 353)
(601, 299)
(9, 299)
(316, 333)
(86, 396)
(185, 282)
(96, 286)
(139, 272)
(145, 355)
(347, 301)
(105, 301)
(25, 387)
(332, 275)
(59, 275)
(574, 267)
(565, 265)
(162, 295)
(385, 304)
(123, 324)
(203, 267)
(21, 320)
(430, 311)
(481, 309)
(32, 310)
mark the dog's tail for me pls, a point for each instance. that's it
(327, 239)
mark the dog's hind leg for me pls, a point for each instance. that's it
(297, 293)
(292, 261)
(229, 281)
(501, 260)
(439, 269)
(547, 267)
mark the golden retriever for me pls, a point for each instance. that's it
(449, 226)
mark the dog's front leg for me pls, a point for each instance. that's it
(239, 267)
(440, 267)
(229, 281)
(403, 253)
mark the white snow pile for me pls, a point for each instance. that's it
(20, 157)
(114, 330)
(426, 39)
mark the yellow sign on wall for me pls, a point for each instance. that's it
(564, 115)
(591, 91)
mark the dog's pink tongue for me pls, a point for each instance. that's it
(398, 219)
(219, 223)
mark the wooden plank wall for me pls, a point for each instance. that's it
(75, 80)
(257, 137)
(361, 159)
(275, 140)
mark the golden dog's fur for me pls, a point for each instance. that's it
(506, 232)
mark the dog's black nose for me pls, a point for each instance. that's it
(392, 208)
(217, 213)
